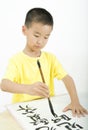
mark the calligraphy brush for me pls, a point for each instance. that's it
(50, 104)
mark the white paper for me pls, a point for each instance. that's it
(36, 115)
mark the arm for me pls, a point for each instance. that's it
(75, 105)
(37, 89)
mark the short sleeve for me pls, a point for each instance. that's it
(58, 70)
(11, 71)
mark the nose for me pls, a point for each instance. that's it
(40, 40)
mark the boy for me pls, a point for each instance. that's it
(23, 77)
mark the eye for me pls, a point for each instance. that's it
(46, 37)
(36, 35)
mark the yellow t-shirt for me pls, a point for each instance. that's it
(23, 69)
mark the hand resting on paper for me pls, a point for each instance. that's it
(77, 109)
(75, 106)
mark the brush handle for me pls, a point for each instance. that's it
(50, 104)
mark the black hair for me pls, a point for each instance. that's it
(38, 15)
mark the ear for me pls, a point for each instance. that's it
(24, 29)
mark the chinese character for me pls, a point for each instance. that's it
(69, 126)
(37, 120)
(26, 110)
(45, 128)
(56, 120)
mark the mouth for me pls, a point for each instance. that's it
(37, 46)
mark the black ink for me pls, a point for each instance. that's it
(74, 125)
(60, 118)
(69, 125)
(45, 128)
(37, 120)
(27, 109)
(65, 117)
(64, 123)
(79, 126)
(51, 109)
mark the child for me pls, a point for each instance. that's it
(23, 77)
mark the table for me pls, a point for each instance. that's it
(9, 122)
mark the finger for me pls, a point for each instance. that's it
(42, 92)
(83, 112)
(39, 91)
(73, 112)
(45, 90)
(78, 113)
(44, 86)
(66, 108)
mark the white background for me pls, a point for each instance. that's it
(68, 40)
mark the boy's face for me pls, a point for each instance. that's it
(37, 36)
